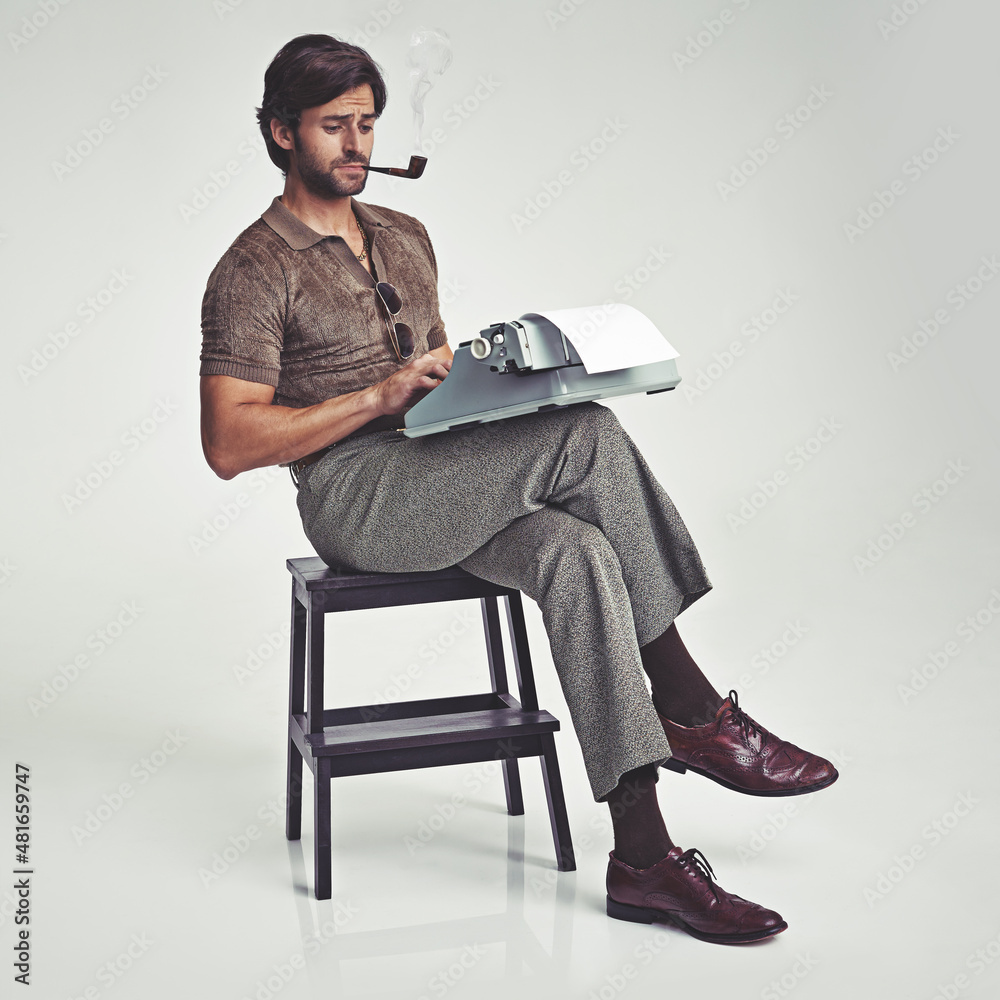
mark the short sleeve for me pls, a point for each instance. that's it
(243, 319)
(436, 335)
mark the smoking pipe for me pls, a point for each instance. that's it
(413, 171)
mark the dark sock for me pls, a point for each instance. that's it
(681, 692)
(641, 837)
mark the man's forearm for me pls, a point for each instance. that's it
(242, 429)
(260, 434)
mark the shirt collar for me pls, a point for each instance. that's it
(299, 236)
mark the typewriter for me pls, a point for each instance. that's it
(532, 364)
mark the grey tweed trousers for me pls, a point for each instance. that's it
(559, 505)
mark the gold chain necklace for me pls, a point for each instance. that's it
(364, 237)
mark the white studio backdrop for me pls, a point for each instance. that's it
(802, 196)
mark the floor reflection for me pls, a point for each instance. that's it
(328, 940)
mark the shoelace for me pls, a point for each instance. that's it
(746, 724)
(696, 862)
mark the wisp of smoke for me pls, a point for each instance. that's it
(429, 56)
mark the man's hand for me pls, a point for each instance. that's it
(408, 385)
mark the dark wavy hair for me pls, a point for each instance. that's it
(311, 70)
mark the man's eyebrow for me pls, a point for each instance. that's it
(347, 117)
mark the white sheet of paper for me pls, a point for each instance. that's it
(611, 336)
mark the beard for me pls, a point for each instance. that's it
(320, 180)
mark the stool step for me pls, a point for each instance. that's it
(413, 724)
(448, 705)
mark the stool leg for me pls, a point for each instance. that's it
(322, 846)
(512, 787)
(494, 644)
(314, 666)
(498, 679)
(521, 652)
(296, 689)
(565, 858)
(293, 794)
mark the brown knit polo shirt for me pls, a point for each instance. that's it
(288, 307)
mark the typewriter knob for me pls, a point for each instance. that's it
(480, 348)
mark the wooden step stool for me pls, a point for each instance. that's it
(367, 739)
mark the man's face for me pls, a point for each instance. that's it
(330, 139)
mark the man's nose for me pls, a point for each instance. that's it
(352, 138)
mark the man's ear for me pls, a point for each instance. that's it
(282, 134)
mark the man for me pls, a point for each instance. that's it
(305, 360)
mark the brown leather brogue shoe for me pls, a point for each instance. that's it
(680, 890)
(742, 755)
